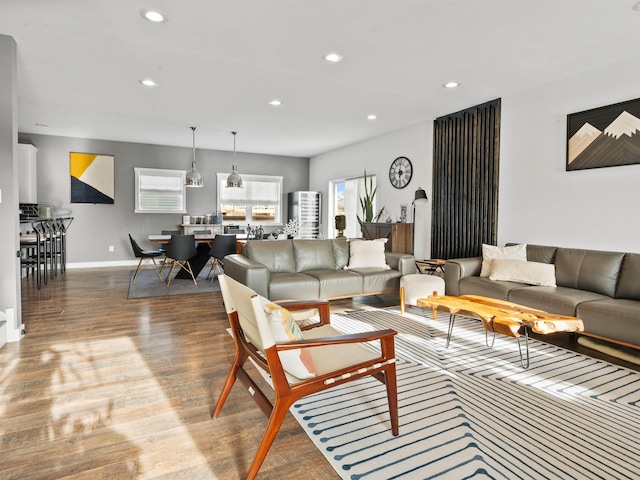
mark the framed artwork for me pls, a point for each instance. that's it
(92, 178)
(604, 137)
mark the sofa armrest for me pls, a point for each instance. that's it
(253, 274)
(402, 262)
(456, 269)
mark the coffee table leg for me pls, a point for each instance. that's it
(526, 343)
(486, 338)
(452, 319)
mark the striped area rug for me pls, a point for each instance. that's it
(471, 411)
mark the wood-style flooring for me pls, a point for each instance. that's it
(102, 387)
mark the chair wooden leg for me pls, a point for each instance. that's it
(280, 410)
(188, 269)
(392, 397)
(401, 300)
(238, 362)
(137, 270)
(155, 265)
(173, 265)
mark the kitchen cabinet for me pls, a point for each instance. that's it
(27, 174)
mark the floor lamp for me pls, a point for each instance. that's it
(420, 197)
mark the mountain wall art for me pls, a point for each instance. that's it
(92, 178)
(604, 137)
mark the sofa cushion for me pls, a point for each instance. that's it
(531, 273)
(560, 300)
(629, 280)
(617, 319)
(293, 286)
(337, 283)
(313, 255)
(541, 254)
(590, 270)
(367, 254)
(491, 252)
(277, 255)
(484, 287)
(376, 280)
(340, 252)
(284, 329)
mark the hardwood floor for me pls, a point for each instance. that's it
(105, 387)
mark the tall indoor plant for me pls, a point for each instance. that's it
(366, 202)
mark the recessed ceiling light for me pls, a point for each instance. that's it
(333, 57)
(147, 82)
(371, 117)
(275, 103)
(451, 85)
(154, 16)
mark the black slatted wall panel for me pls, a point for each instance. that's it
(466, 161)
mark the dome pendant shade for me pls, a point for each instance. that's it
(234, 180)
(193, 178)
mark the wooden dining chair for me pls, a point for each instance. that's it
(320, 359)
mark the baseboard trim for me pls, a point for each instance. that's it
(115, 263)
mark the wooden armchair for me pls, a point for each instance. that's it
(337, 358)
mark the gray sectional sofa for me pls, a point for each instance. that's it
(312, 269)
(602, 288)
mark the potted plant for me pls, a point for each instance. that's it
(366, 202)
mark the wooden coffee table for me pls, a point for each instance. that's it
(499, 316)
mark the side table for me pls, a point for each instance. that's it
(430, 266)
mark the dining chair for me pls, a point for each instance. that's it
(144, 255)
(320, 358)
(179, 250)
(221, 246)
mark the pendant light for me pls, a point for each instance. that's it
(234, 180)
(193, 178)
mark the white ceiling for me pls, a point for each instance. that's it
(219, 63)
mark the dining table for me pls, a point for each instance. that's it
(203, 245)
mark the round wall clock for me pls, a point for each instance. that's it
(400, 172)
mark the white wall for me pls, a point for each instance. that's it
(376, 156)
(540, 202)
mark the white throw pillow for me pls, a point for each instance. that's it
(367, 254)
(531, 273)
(491, 253)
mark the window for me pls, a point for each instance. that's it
(345, 200)
(260, 201)
(160, 191)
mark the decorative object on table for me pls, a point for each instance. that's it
(234, 180)
(400, 172)
(403, 214)
(193, 178)
(92, 178)
(217, 217)
(341, 225)
(604, 137)
(366, 202)
(292, 228)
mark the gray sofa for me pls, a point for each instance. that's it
(312, 269)
(602, 288)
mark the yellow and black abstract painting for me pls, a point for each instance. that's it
(92, 178)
